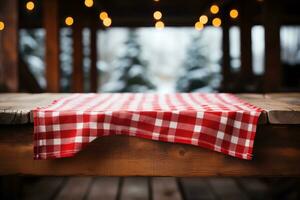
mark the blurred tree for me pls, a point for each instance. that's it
(130, 73)
(197, 74)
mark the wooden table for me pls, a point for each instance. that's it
(276, 148)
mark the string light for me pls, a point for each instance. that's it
(107, 22)
(157, 15)
(2, 25)
(69, 21)
(159, 25)
(234, 13)
(214, 9)
(30, 5)
(216, 22)
(88, 3)
(199, 26)
(103, 15)
(203, 19)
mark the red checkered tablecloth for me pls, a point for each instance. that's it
(221, 122)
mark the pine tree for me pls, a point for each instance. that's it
(197, 75)
(130, 73)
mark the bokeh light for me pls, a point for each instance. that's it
(69, 21)
(203, 19)
(88, 3)
(199, 26)
(2, 25)
(216, 22)
(103, 15)
(107, 22)
(157, 15)
(214, 9)
(159, 25)
(30, 5)
(234, 13)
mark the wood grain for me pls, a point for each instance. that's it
(15, 108)
(276, 153)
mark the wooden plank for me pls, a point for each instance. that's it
(104, 188)
(165, 188)
(254, 187)
(273, 72)
(9, 46)
(135, 188)
(15, 108)
(51, 24)
(94, 58)
(276, 153)
(196, 189)
(46, 188)
(288, 108)
(77, 75)
(226, 188)
(285, 111)
(76, 188)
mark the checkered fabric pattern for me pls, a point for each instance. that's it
(221, 122)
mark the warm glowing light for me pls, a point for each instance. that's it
(89, 3)
(234, 13)
(216, 22)
(157, 15)
(107, 22)
(156, 0)
(199, 26)
(214, 9)
(159, 25)
(69, 21)
(103, 15)
(2, 25)
(30, 5)
(203, 19)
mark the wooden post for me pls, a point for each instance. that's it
(246, 46)
(226, 53)
(77, 77)
(51, 24)
(9, 46)
(272, 76)
(93, 70)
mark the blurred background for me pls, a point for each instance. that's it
(149, 46)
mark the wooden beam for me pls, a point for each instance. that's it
(226, 71)
(276, 153)
(51, 24)
(77, 76)
(94, 58)
(273, 71)
(9, 46)
(246, 46)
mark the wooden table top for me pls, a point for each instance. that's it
(280, 108)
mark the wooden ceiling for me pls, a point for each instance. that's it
(138, 13)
